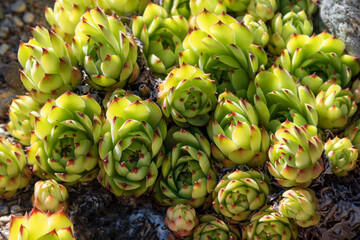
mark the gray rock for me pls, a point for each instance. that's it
(17, 21)
(28, 17)
(341, 18)
(4, 209)
(18, 6)
(15, 209)
(4, 48)
(6, 96)
(5, 219)
(11, 75)
(4, 32)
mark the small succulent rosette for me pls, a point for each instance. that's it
(300, 205)
(309, 6)
(14, 173)
(187, 96)
(187, 175)
(50, 65)
(234, 131)
(263, 9)
(162, 37)
(64, 142)
(22, 109)
(40, 225)
(50, 196)
(269, 224)
(342, 155)
(240, 193)
(355, 90)
(211, 227)
(223, 47)
(259, 29)
(295, 155)
(322, 54)
(177, 7)
(197, 6)
(352, 131)
(181, 220)
(106, 52)
(131, 145)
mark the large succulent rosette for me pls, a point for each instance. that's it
(240, 193)
(211, 227)
(49, 65)
(20, 124)
(301, 205)
(322, 55)
(269, 224)
(187, 96)
(259, 29)
(131, 145)
(309, 6)
(162, 37)
(223, 47)
(40, 225)
(107, 54)
(283, 26)
(295, 155)
(235, 132)
(263, 9)
(64, 142)
(14, 173)
(187, 175)
(342, 155)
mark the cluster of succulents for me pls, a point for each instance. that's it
(222, 105)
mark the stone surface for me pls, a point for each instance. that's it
(11, 75)
(342, 19)
(28, 17)
(4, 48)
(18, 6)
(17, 21)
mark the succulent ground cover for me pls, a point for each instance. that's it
(234, 140)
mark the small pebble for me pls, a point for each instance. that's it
(18, 6)
(4, 209)
(18, 21)
(4, 48)
(5, 219)
(15, 209)
(12, 56)
(4, 32)
(28, 17)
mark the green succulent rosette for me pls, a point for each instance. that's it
(317, 59)
(269, 224)
(355, 90)
(263, 9)
(50, 196)
(20, 124)
(223, 47)
(295, 155)
(276, 97)
(162, 37)
(64, 141)
(119, 93)
(283, 26)
(125, 7)
(300, 205)
(181, 220)
(197, 6)
(177, 7)
(259, 29)
(342, 155)
(309, 6)
(187, 175)
(238, 7)
(234, 131)
(352, 131)
(187, 96)
(131, 145)
(240, 193)
(14, 173)
(49, 65)
(211, 227)
(335, 107)
(107, 54)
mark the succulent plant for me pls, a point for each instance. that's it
(317, 59)
(197, 6)
(235, 132)
(131, 145)
(186, 172)
(335, 107)
(50, 196)
(240, 193)
(342, 155)
(187, 96)
(123, 7)
(295, 155)
(222, 46)
(282, 28)
(355, 90)
(181, 219)
(49, 65)
(64, 142)
(310, 6)
(259, 29)
(41, 226)
(14, 173)
(20, 125)
(109, 96)
(301, 205)
(211, 227)
(238, 7)
(108, 55)
(162, 37)
(269, 224)
(263, 9)
(352, 131)
(177, 7)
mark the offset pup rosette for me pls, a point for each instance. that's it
(263, 9)
(211, 227)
